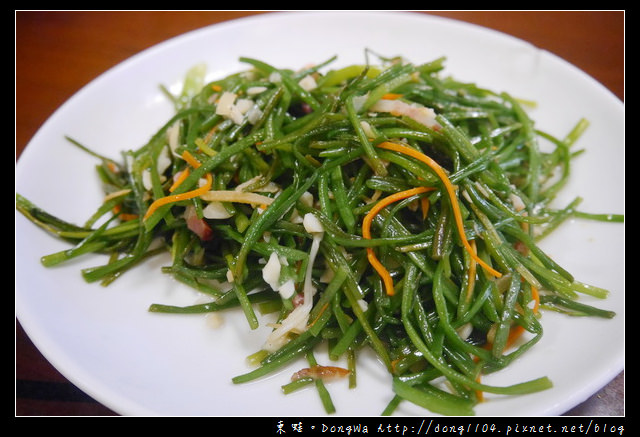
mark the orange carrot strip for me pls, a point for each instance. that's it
(191, 160)
(209, 135)
(450, 190)
(178, 197)
(424, 203)
(479, 393)
(517, 330)
(536, 298)
(382, 271)
(183, 196)
(391, 96)
(112, 167)
(180, 179)
(472, 273)
(366, 231)
(123, 216)
(514, 333)
(322, 310)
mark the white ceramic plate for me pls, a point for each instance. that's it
(137, 363)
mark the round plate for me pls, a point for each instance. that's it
(137, 363)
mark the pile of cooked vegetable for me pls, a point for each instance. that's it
(381, 206)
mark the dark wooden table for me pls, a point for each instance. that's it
(57, 53)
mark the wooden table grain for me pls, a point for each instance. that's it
(57, 53)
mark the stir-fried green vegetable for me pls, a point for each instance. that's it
(370, 206)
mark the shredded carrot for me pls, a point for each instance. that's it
(180, 179)
(210, 134)
(123, 216)
(479, 393)
(322, 310)
(424, 203)
(112, 167)
(366, 232)
(517, 330)
(450, 190)
(394, 363)
(536, 299)
(391, 96)
(178, 197)
(216, 87)
(514, 334)
(382, 271)
(183, 196)
(191, 160)
(472, 273)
